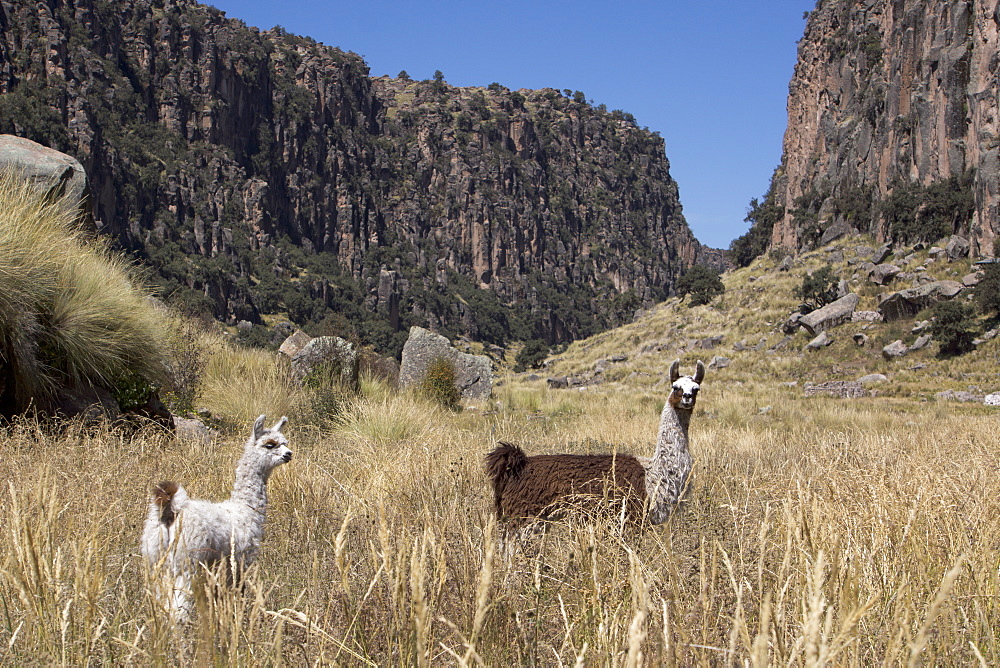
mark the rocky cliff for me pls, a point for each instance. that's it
(892, 123)
(262, 172)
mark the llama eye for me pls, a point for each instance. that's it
(270, 444)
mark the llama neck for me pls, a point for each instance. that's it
(250, 487)
(673, 436)
(670, 466)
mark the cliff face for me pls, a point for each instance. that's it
(264, 172)
(890, 95)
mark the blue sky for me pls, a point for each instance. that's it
(711, 76)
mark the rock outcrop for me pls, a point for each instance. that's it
(473, 373)
(887, 94)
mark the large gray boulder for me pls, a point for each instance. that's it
(883, 273)
(880, 254)
(907, 303)
(831, 315)
(895, 349)
(52, 173)
(331, 356)
(473, 373)
(957, 247)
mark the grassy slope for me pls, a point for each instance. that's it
(850, 532)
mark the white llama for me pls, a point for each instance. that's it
(181, 532)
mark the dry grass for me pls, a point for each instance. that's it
(822, 531)
(814, 530)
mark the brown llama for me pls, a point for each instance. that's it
(528, 488)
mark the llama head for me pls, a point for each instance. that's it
(684, 389)
(268, 448)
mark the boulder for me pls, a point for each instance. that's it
(920, 327)
(838, 229)
(52, 173)
(860, 339)
(558, 383)
(881, 253)
(833, 314)
(845, 389)
(473, 373)
(90, 403)
(872, 378)
(331, 356)
(958, 395)
(866, 316)
(958, 247)
(791, 325)
(709, 342)
(718, 362)
(883, 273)
(292, 345)
(921, 343)
(821, 341)
(973, 279)
(189, 429)
(907, 303)
(894, 350)
(992, 399)
(786, 264)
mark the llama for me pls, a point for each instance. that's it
(182, 533)
(525, 488)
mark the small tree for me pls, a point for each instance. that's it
(954, 328)
(702, 283)
(403, 75)
(818, 289)
(439, 384)
(987, 293)
(531, 355)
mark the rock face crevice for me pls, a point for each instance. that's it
(231, 158)
(888, 92)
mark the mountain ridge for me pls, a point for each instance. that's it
(262, 172)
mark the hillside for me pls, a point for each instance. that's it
(746, 326)
(264, 173)
(892, 126)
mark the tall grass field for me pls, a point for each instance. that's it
(821, 532)
(814, 531)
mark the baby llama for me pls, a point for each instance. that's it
(527, 488)
(182, 533)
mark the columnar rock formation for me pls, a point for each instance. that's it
(243, 164)
(888, 92)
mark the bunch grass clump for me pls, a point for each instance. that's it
(71, 311)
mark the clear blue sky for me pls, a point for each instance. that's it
(711, 76)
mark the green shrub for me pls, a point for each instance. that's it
(531, 355)
(987, 293)
(439, 384)
(701, 283)
(954, 328)
(817, 290)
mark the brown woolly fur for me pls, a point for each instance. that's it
(528, 487)
(162, 495)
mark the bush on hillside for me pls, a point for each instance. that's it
(954, 328)
(702, 284)
(439, 384)
(987, 293)
(531, 355)
(817, 290)
(70, 312)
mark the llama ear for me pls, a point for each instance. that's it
(675, 371)
(699, 372)
(281, 423)
(258, 427)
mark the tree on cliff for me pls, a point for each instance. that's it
(762, 215)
